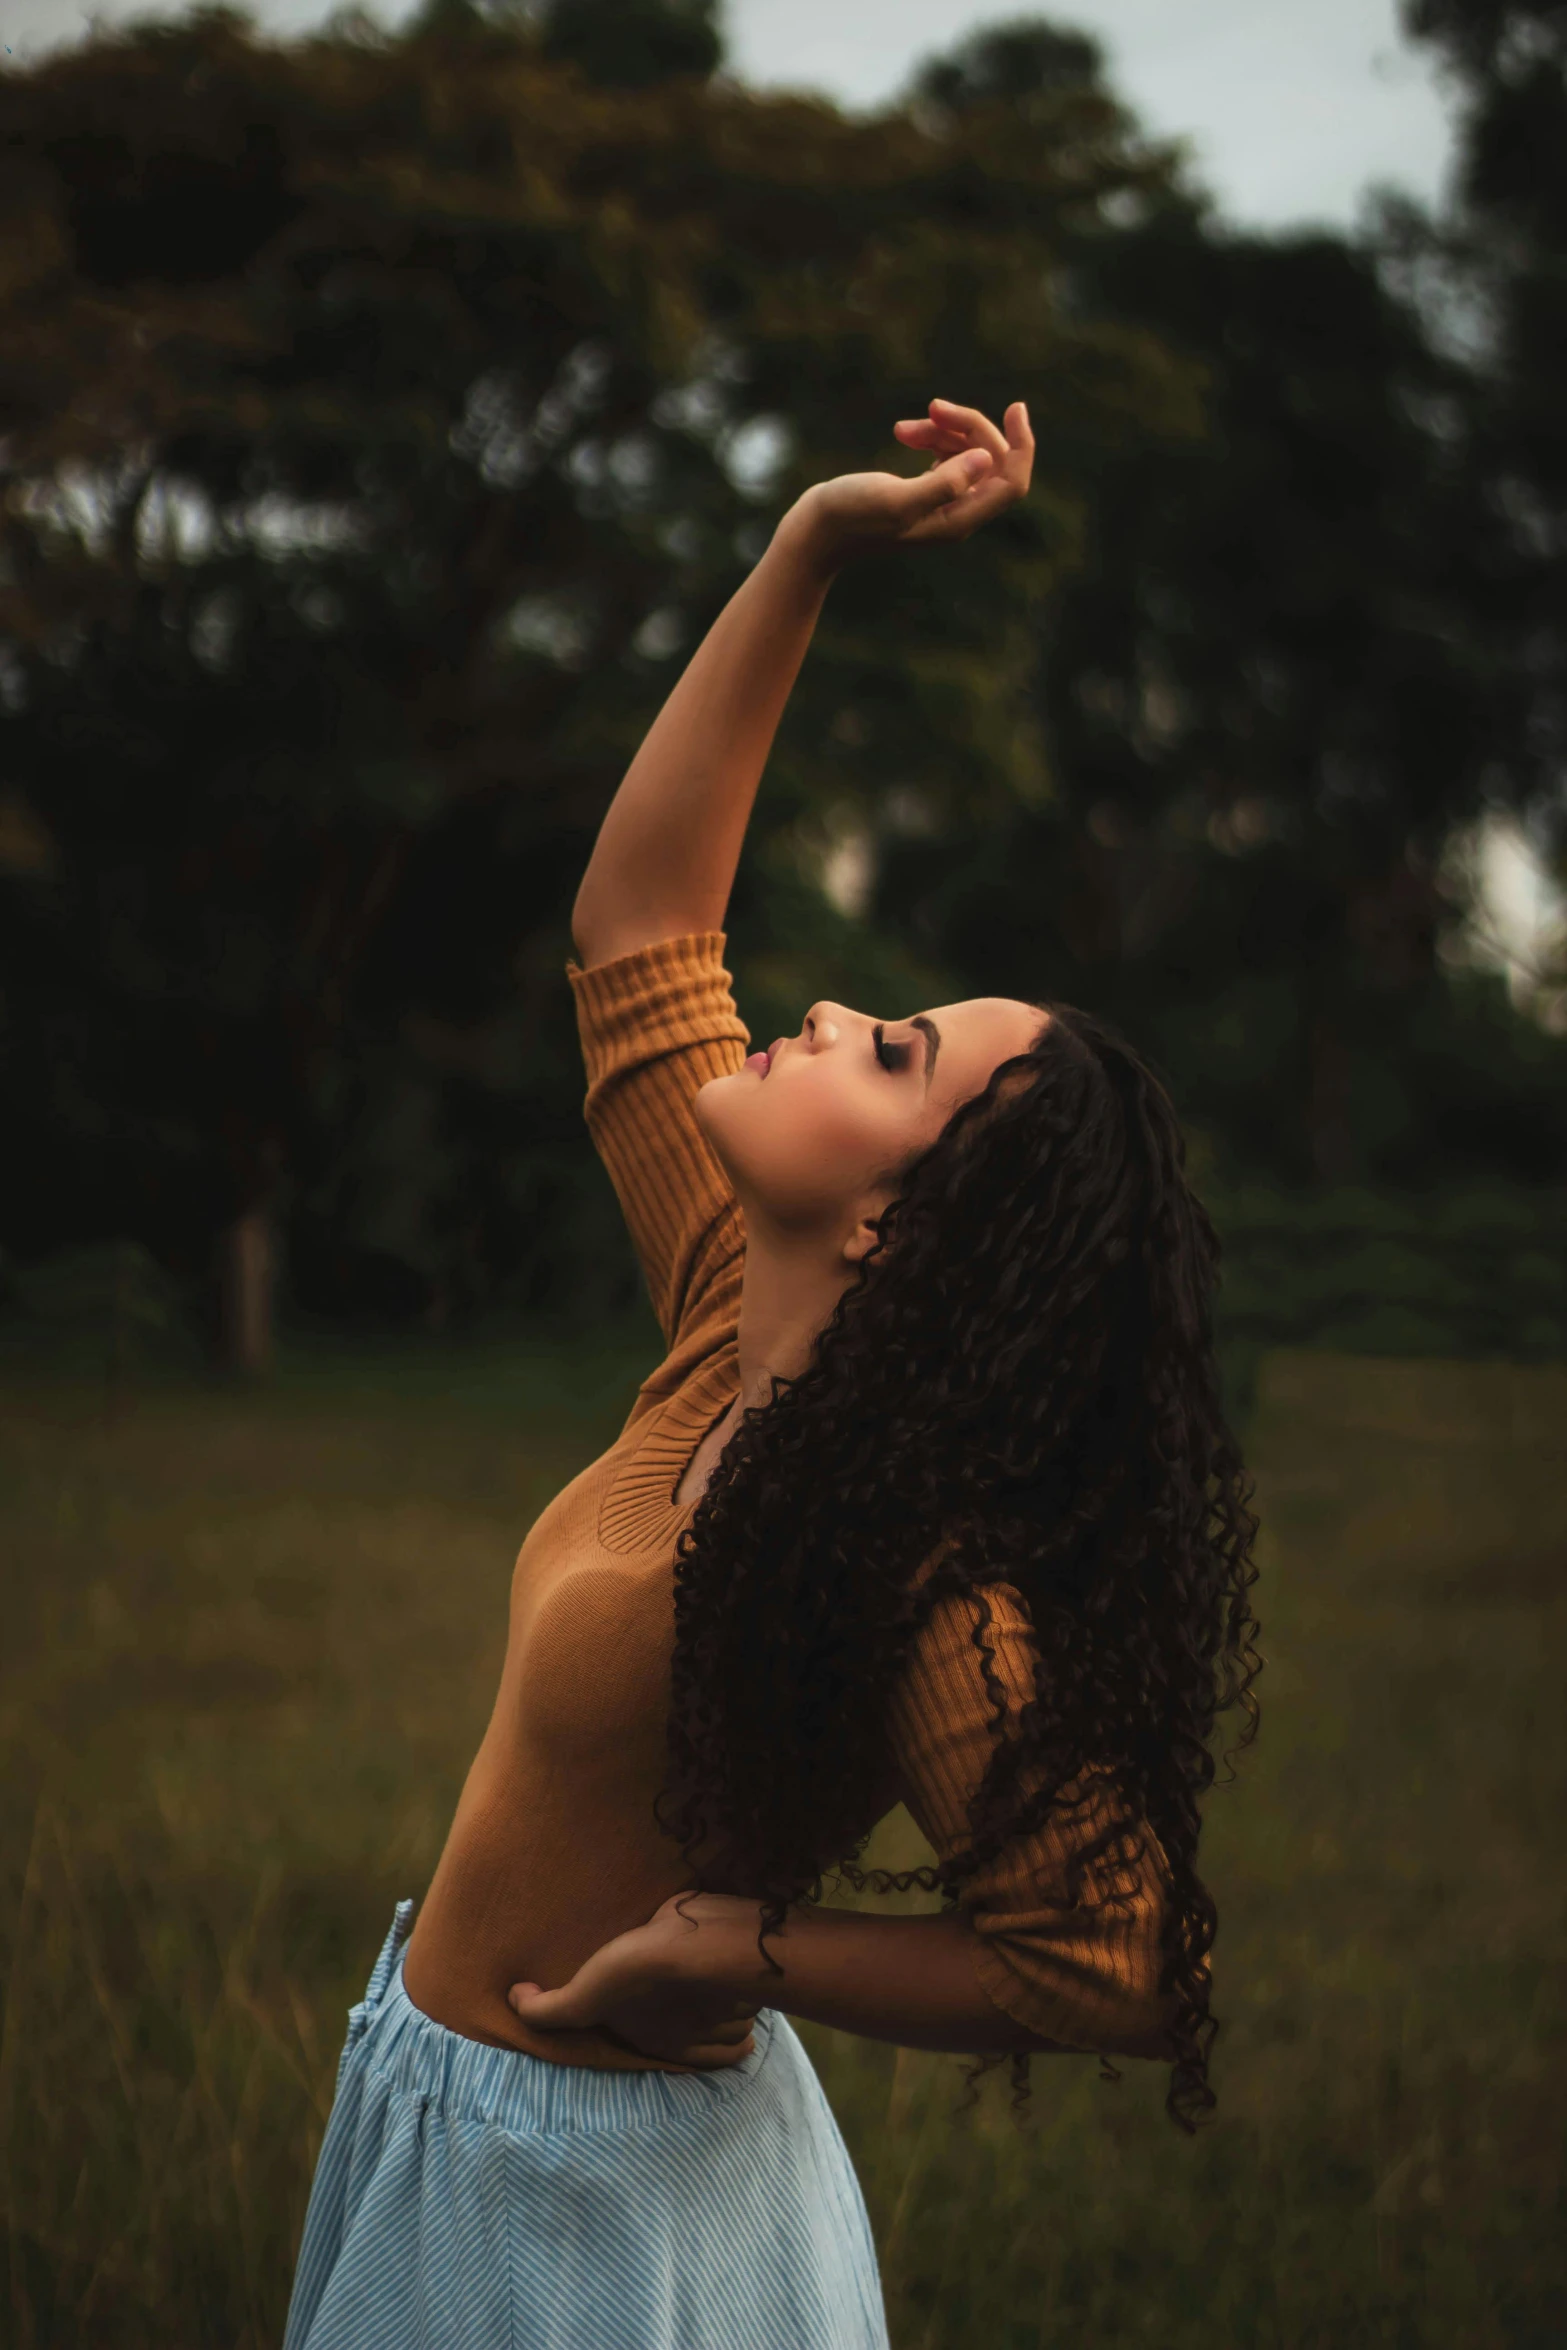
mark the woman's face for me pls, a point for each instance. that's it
(811, 1132)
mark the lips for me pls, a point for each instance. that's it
(762, 1062)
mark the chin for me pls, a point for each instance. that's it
(726, 1112)
(711, 1104)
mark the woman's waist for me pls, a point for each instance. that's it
(470, 2077)
(478, 2013)
(497, 1917)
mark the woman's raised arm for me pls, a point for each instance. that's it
(665, 858)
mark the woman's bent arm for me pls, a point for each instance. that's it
(908, 1980)
(688, 1984)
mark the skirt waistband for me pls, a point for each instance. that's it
(523, 2094)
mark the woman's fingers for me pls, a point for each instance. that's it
(549, 2011)
(715, 2054)
(953, 427)
(976, 427)
(739, 2028)
(1020, 443)
(918, 432)
(945, 483)
(950, 428)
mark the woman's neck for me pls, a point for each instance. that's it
(786, 1300)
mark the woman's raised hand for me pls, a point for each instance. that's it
(980, 469)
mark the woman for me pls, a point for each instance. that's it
(931, 1499)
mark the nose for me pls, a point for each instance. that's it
(824, 1023)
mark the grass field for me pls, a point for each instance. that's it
(250, 1642)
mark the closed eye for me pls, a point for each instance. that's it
(891, 1056)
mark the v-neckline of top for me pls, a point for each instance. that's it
(639, 1511)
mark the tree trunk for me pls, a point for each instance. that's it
(246, 1273)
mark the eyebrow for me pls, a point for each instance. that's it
(932, 1036)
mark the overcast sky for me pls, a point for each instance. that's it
(1292, 107)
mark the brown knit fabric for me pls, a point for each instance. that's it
(554, 1848)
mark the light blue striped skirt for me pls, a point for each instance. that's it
(477, 2198)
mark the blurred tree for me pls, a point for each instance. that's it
(1275, 684)
(631, 44)
(1504, 245)
(1019, 66)
(381, 419)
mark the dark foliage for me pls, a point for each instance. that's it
(1501, 251)
(631, 44)
(383, 418)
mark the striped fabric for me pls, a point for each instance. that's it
(478, 2198)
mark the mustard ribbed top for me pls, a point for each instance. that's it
(554, 1848)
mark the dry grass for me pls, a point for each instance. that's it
(250, 1644)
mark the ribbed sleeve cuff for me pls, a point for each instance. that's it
(671, 993)
(1079, 2015)
(1061, 2020)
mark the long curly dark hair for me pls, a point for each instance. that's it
(1020, 1384)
